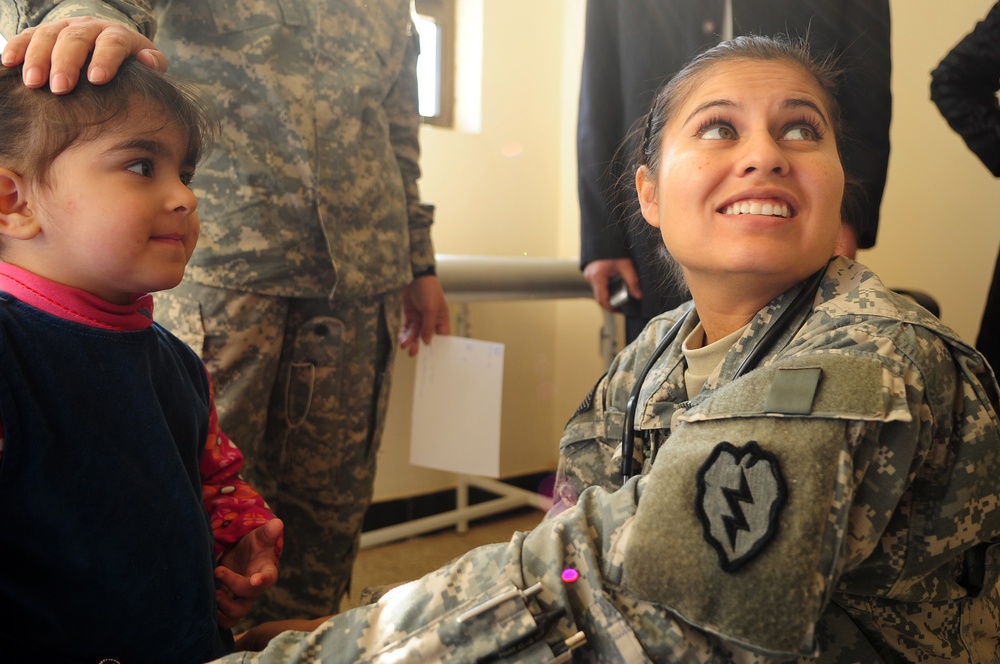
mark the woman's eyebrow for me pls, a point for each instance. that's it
(725, 103)
(796, 102)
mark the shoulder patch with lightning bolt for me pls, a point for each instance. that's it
(740, 495)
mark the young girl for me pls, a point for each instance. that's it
(127, 533)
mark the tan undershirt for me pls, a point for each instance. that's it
(702, 360)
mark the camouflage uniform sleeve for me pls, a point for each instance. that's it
(16, 15)
(553, 590)
(404, 132)
(502, 598)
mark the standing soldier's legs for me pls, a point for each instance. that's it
(317, 466)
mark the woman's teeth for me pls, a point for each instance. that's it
(769, 209)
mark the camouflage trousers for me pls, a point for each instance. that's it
(302, 388)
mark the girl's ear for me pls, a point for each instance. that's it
(645, 186)
(16, 218)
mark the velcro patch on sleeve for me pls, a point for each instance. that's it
(793, 390)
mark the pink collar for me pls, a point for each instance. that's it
(74, 304)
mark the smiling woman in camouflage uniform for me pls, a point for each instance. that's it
(819, 458)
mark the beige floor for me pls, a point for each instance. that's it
(404, 561)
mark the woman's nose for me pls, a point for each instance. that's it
(762, 152)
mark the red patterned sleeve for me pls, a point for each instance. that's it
(234, 507)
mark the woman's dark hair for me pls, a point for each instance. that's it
(38, 126)
(645, 139)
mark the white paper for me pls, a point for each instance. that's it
(457, 394)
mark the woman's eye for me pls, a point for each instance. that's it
(143, 168)
(719, 133)
(801, 133)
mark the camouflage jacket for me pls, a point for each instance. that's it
(837, 502)
(312, 187)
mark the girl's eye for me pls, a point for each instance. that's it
(718, 132)
(187, 177)
(143, 168)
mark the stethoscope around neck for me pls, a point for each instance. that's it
(802, 302)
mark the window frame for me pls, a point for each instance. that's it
(442, 12)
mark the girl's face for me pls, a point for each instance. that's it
(117, 218)
(750, 182)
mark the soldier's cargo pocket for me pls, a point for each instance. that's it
(315, 368)
(311, 397)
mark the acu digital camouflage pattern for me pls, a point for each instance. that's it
(311, 193)
(912, 569)
(312, 189)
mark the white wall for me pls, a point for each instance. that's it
(938, 232)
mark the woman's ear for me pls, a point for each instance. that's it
(16, 218)
(645, 186)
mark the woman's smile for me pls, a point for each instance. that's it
(766, 207)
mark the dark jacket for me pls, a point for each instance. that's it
(964, 88)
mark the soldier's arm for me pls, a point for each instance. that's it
(401, 108)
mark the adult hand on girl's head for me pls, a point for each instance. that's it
(246, 571)
(56, 52)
